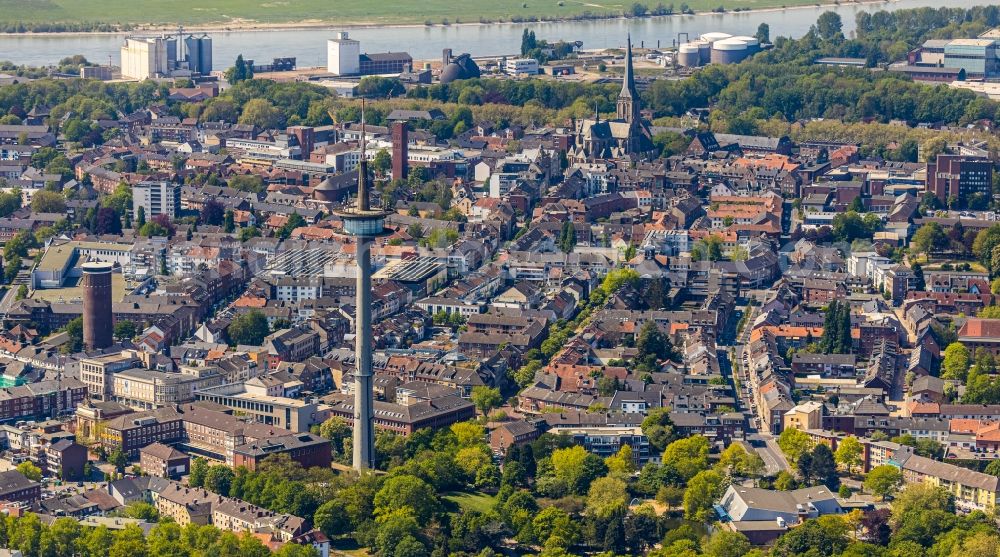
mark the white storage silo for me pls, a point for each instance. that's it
(688, 55)
(753, 45)
(715, 36)
(729, 51)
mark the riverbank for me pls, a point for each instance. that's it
(248, 25)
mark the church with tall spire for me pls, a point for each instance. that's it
(625, 135)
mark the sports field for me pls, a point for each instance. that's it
(248, 13)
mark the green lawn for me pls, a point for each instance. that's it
(477, 501)
(190, 12)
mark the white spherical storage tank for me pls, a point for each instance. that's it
(729, 51)
(688, 55)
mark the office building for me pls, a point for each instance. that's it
(156, 198)
(98, 373)
(519, 66)
(960, 177)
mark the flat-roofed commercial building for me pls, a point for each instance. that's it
(289, 413)
(146, 389)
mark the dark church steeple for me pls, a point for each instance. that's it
(628, 99)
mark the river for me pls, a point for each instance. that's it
(309, 45)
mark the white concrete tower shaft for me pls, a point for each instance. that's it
(364, 400)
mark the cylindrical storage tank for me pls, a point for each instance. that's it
(753, 45)
(729, 51)
(704, 52)
(688, 55)
(712, 37)
(96, 285)
(192, 48)
(172, 60)
(205, 58)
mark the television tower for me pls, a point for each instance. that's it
(364, 224)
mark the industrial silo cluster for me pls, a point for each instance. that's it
(716, 48)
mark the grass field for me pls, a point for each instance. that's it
(250, 12)
(479, 502)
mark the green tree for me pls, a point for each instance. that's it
(199, 470)
(955, 364)
(688, 456)
(486, 398)
(382, 162)
(621, 465)
(763, 33)
(9, 202)
(576, 467)
(249, 232)
(617, 278)
(703, 490)
(409, 494)
(294, 221)
(30, 471)
(48, 202)
(785, 481)
(141, 510)
(724, 543)
(607, 497)
(118, 459)
(331, 520)
(125, 329)
(929, 238)
(735, 461)
(794, 443)
(240, 71)
(219, 478)
(829, 26)
(883, 480)
(262, 114)
(249, 328)
(653, 346)
(247, 183)
(567, 237)
(824, 536)
(658, 428)
(849, 453)
(74, 330)
(837, 337)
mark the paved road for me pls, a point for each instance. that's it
(772, 448)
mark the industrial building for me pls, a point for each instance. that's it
(717, 48)
(457, 67)
(166, 56)
(951, 59)
(344, 57)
